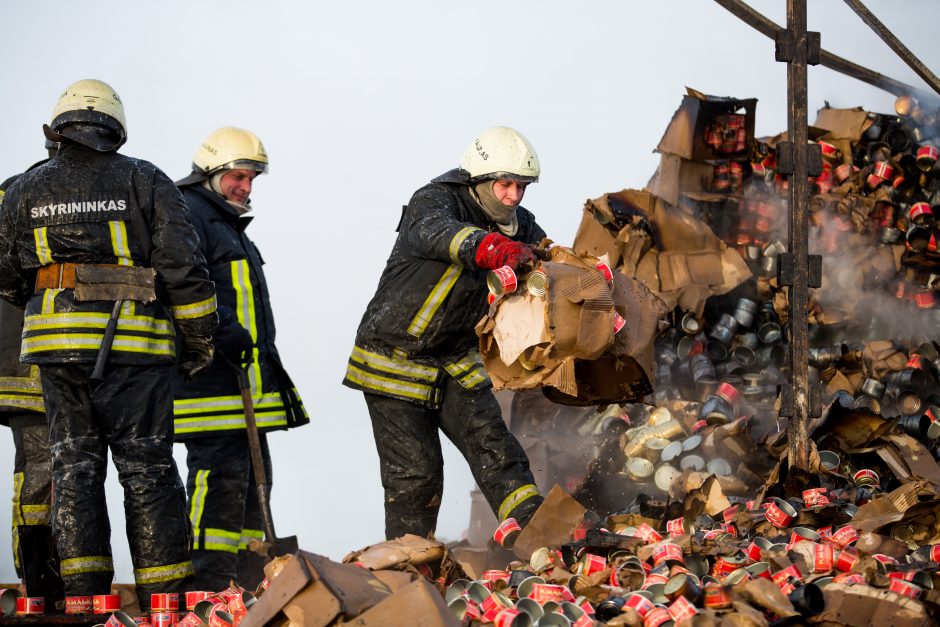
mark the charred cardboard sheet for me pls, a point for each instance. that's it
(419, 604)
(312, 591)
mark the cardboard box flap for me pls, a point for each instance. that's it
(418, 604)
(551, 525)
(596, 240)
(843, 123)
(686, 133)
(860, 606)
(520, 324)
(355, 588)
(293, 577)
(408, 549)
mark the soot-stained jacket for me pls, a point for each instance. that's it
(418, 328)
(212, 402)
(89, 207)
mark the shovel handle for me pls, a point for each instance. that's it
(257, 462)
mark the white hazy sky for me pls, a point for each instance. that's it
(359, 103)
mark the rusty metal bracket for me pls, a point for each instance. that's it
(786, 270)
(785, 46)
(786, 158)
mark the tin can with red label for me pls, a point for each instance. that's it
(654, 578)
(847, 559)
(106, 603)
(843, 172)
(221, 618)
(190, 620)
(640, 604)
(511, 617)
(502, 281)
(883, 169)
(120, 619)
(823, 558)
(816, 497)
(919, 212)
(496, 575)
(165, 602)
(647, 534)
(543, 592)
(759, 569)
(725, 564)
(844, 536)
(163, 619)
(607, 272)
(679, 527)
(906, 588)
(780, 513)
(619, 322)
(682, 608)
(194, 597)
(803, 534)
(592, 563)
(493, 605)
(755, 548)
(729, 514)
(657, 617)
(30, 605)
(667, 553)
(507, 532)
(716, 596)
(78, 605)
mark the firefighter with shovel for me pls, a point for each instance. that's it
(223, 415)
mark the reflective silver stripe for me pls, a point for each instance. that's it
(221, 540)
(160, 574)
(119, 242)
(396, 387)
(219, 403)
(435, 299)
(245, 311)
(195, 310)
(22, 402)
(457, 240)
(87, 341)
(43, 252)
(88, 564)
(399, 366)
(248, 535)
(36, 514)
(16, 384)
(92, 320)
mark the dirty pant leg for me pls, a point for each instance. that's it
(410, 462)
(220, 483)
(137, 404)
(79, 462)
(473, 421)
(32, 493)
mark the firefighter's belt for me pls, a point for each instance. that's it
(99, 281)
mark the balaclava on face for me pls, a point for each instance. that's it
(503, 215)
(214, 184)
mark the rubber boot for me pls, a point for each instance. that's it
(40, 564)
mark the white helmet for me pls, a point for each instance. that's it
(89, 101)
(501, 152)
(230, 148)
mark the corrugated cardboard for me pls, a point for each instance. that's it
(312, 591)
(860, 606)
(843, 123)
(418, 604)
(551, 525)
(676, 176)
(685, 135)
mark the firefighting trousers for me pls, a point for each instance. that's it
(224, 510)
(34, 553)
(130, 413)
(412, 465)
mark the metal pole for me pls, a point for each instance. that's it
(895, 44)
(798, 232)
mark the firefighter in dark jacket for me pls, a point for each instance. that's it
(99, 249)
(210, 419)
(22, 410)
(416, 356)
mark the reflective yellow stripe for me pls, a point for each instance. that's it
(18, 478)
(43, 251)
(160, 574)
(457, 240)
(36, 514)
(184, 406)
(87, 564)
(434, 300)
(248, 535)
(48, 302)
(515, 498)
(22, 402)
(221, 540)
(119, 242)
(394, 366)
(198, 505)
(395, 387)
(96, 320)
(468, 370)
(22, 392)
(245, 310)
(195, 310)
(92, 341)
(2, 193)
(227, 421)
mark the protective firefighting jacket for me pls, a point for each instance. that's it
(212, 402)
(88, 207)
(20, 387)
(418, 327)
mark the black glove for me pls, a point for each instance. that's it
(196, 356)
(233, 341)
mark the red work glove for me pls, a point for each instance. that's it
(497, 250)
